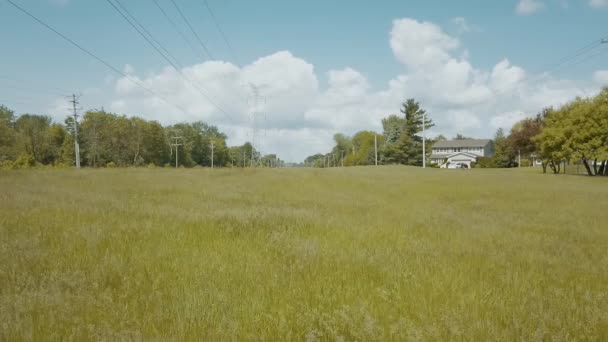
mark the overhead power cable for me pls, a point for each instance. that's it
(579, 56)
(32, 90)
(219, 28)
(49, 89)
(126, 11)
(176, 28)
(578, 53)
(176, 65)
(192, 29)
(97, 58)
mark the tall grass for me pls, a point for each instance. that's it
(387, 253)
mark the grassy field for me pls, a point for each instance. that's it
(387, 253)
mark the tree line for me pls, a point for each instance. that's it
(575, 133)
(108, 140)
(400, 142)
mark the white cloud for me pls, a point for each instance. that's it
(128, 69)
(598, 3)
(420, 44)
(507, 120)
(299, 115)
(529, 7)
(601, 77)
(505, 76)
(461, 24)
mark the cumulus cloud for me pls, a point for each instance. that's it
(601, 77)
(598, 3)
(529, 7)
(420, 44)
(461, 24)
(298, 114)
(507, 120)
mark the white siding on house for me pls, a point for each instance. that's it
(450, 150)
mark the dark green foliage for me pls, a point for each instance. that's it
(402, 135)
(111, 139)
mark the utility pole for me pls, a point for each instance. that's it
(518, 158)
(212, 146)
(75, 103)
(177, 145)
(376, 147)
(423, 140)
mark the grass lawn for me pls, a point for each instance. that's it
(386, 253)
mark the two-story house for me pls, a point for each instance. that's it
(458, 152)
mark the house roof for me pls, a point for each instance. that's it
(446, 156)
(471, 155)
(462, 143)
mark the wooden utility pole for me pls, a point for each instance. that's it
(75, 103)
(376, 147)
(212, 146)
(518, 158)
(177, 145)
(423, 140)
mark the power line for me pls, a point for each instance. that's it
(219, 28)
(560, 64)
(584, 50)
(144, 29)
(175, 66)
(192, 30)
(99, 59)
(176, 28)
(53, 90)
(25, 102)
(141, 33)
(588, 57)
(31, 89)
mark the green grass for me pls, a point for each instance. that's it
(387, 253)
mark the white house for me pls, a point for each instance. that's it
(449, 153)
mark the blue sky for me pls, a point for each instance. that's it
(323, 38)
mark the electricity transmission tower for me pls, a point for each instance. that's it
(75, 103)
(176, 144)
(254, 113)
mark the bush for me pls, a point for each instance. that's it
(111, 165)
(7, 165)
(61, 165)
(485, 162)
(151, 166)
(167, 165)
(24, 161)
(139, 161)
